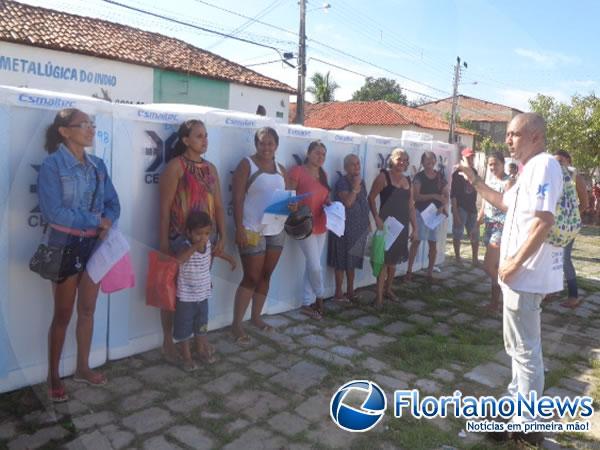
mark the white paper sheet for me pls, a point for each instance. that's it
(393, 228)
(108, 253)
(431, 217)
(274, 223)
(336, 218)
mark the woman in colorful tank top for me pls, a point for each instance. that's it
(493, 218)
(188, 183)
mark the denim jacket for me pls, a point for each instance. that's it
(66, 187)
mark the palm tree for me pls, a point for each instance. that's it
(322, 88)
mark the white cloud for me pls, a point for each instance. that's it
(579, 84)
(519, 98)
(548, 59)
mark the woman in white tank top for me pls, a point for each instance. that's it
(254, 181)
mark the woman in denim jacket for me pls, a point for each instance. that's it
(80, 204)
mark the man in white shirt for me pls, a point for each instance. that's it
(529, 266)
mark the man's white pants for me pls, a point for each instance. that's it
(312, 247)
(523, 343)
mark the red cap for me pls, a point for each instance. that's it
(467, 152)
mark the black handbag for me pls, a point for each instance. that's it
(50, 261)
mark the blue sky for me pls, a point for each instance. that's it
(514, 49)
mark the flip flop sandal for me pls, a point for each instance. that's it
(243, 341)
(190, 366)
(209, 358)
(100, 380)
(171, 359)
(57, 395)
(353, 298)
(572, 305)
(343, 300)
(312, 313)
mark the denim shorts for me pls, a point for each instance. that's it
(77, 254)
(424, 233)
(275, 242)
(191, 319)
(493, 234)
(469, 222)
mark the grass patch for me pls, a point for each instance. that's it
(554, 376)
(423, 354)
(419, 434)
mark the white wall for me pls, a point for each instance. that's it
(39, 68)
(396, 131)
(247, 98)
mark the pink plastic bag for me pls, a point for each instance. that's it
(119, 277)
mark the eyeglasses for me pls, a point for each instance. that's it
(83, 125)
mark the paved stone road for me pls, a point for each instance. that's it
(275, 394)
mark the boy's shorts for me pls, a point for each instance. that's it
(191, 319)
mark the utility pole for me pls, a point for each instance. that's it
(301, 65)
(457, 69)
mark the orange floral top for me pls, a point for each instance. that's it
(195, 192)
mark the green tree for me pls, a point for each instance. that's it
(380, 89)
(323, 88)
(574, 127)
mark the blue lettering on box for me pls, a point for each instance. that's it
(341, 138)
(240, 122)
(164, 117)
(301, 133)
(49, 102)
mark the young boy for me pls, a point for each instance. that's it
(194, 288)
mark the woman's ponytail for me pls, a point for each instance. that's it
(53, 137)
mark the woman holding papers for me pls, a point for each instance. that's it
(255, 181)
(345, 253)
(430, 193)
(188, 183)
(311, 178)
(396, 200)
(78, 200)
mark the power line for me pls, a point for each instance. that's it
(367, 76)
(180, 22)
(249, 22)
(211, 31)
(326, 46)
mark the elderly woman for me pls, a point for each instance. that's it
(395, 200)
(79, 201)
(345, 253)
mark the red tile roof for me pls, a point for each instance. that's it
(340, 115)
(472, 109)
(41, 27)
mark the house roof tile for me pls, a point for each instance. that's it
(340, 115)
(472, 109)
(41, 27)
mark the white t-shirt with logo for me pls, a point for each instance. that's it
(538, 188)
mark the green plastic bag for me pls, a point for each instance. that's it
(377, 252)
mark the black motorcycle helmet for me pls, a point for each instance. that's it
(299, 224)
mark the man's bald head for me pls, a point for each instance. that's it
(532, 123)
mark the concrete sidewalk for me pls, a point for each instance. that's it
(276, 393)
